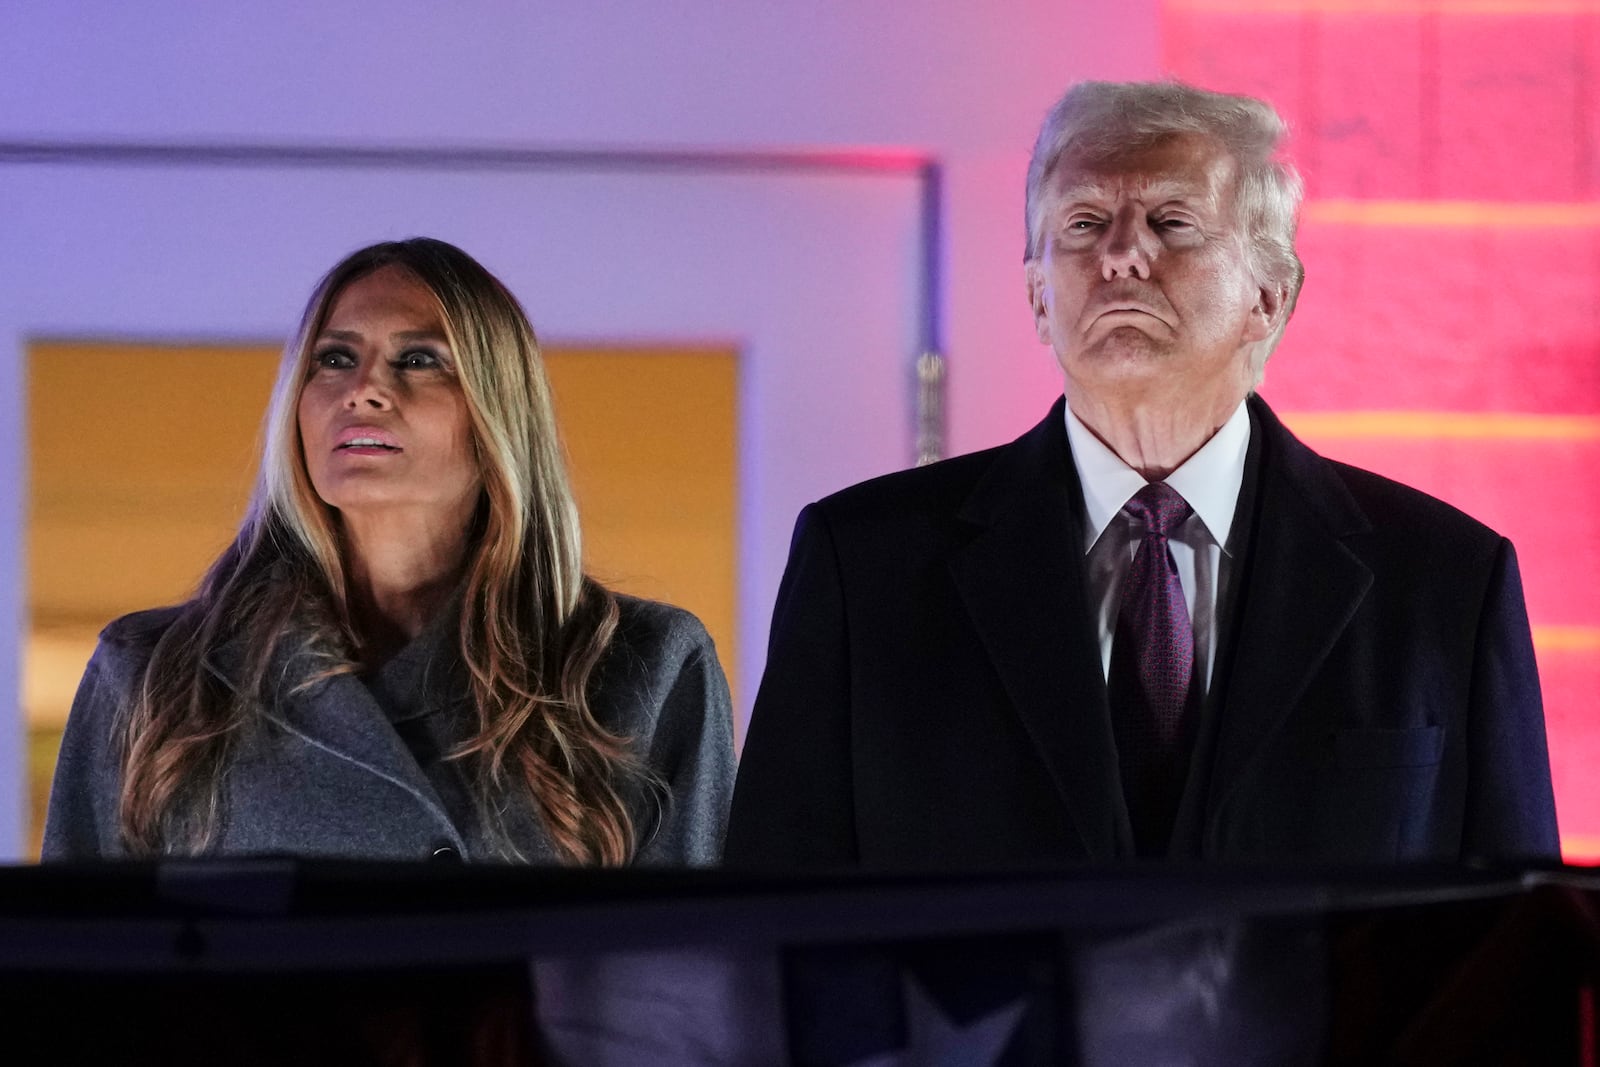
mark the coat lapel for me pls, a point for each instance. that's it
(336, 714)
(1021, 579)
(1300, 589)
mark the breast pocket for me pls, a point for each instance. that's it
(1358, 749)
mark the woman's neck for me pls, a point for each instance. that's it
(400, 575)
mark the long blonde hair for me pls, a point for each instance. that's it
(533, 625)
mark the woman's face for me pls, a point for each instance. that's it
(383, 424)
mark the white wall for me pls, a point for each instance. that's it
(961, 80)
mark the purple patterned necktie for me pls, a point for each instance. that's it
(1152, 670)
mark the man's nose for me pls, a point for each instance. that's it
(1127, 252)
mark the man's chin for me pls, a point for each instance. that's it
(1126, 347)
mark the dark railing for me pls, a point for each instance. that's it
(313, 962)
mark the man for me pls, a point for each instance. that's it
(1156, 624)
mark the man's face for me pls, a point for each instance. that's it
(1140, 283)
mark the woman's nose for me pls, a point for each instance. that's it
(369, 388)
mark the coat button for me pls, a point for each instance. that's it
(445, 853)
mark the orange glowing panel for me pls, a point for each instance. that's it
(1580, 848)
(1449, 8)
(1505, 426)
(1500, 214)
(1554, 639)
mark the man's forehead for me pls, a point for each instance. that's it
(1142, 185)
(1181, 166)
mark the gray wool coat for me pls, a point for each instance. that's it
(324, 773)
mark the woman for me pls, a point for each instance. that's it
(400, 655)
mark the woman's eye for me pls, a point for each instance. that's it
(418, 359)
(333, 358)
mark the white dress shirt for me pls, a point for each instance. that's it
(1209, 480)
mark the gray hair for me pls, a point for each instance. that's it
(1103, 120)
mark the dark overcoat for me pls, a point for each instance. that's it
(934, 696)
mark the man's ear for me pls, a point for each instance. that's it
(1271, 305)
(1035, 280)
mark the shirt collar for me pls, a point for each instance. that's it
(1209, 480)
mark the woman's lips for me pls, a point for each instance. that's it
(366, 441)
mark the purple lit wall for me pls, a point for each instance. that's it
(230, 254)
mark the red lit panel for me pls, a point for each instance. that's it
(1259, 54)
(1508, 97)
(1588, 57)
(1452, 246)
(1369, 101)
(1444, 318)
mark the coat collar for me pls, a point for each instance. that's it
(339, 716)
(336, 714)
(1021, 579)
